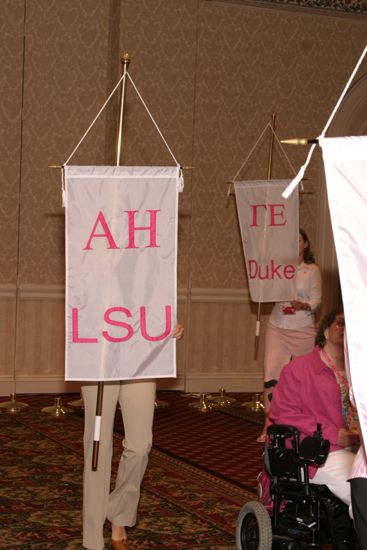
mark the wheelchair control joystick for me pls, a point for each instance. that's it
(314, 450)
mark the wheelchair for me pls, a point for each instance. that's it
(298, 513)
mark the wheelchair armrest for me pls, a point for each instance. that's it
(283, 430)
(314, 450)
(281, 451)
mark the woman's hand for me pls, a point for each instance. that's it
(298, 305)
(178, 332)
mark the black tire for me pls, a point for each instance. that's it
(253, 528)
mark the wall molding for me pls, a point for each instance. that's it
(7, 292)
(33, 297)
(41, 293)
(194, 383)
(37, 384)
(220, 295)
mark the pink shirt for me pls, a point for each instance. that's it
(308, 394)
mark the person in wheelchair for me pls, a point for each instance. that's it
(305, 494)
(313, 390)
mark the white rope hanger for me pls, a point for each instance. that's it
(102, 109)
(268, 125)
(93, 122)
(302, 170)
(250, 153)
(152, 119)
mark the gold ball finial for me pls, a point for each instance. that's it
(125, 58)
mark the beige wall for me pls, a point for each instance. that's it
(212, 74)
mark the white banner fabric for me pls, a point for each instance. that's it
(121, 259)
(269, 231)
(345, 161)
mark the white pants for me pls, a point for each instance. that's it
(335, 474)
(136, 399)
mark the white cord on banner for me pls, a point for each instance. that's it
(94, 120)
(299, 177)
(252, 150)
(152, 119)
(83, 137)
(302, 170)
(97, 116)
(286, 156)
(283, 151)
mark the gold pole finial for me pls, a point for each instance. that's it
(271, 148)
(299, 141)
(125, 58)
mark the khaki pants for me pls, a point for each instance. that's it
(136, 399)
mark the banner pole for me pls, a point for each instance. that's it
(271, 149)
(270, 167)
(125, 61)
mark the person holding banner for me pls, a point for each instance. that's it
(137, 402)
(313, 389)
(358, 475)
(291, 328)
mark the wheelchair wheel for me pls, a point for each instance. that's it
(253, 528)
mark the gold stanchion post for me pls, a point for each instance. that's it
(256, 405)
(13, 406)
(57, 410)
(203, 405)
(222, 400)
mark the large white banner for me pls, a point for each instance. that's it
(345, 161)
(121, 257)
(269, 231)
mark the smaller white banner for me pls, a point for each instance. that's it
(269, 231)
(345, 161)
(121, 259)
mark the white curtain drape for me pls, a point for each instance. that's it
(345, 161)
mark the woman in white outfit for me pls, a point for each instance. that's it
(291, 328)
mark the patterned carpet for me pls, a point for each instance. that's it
(215, 442)
(201, 471)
